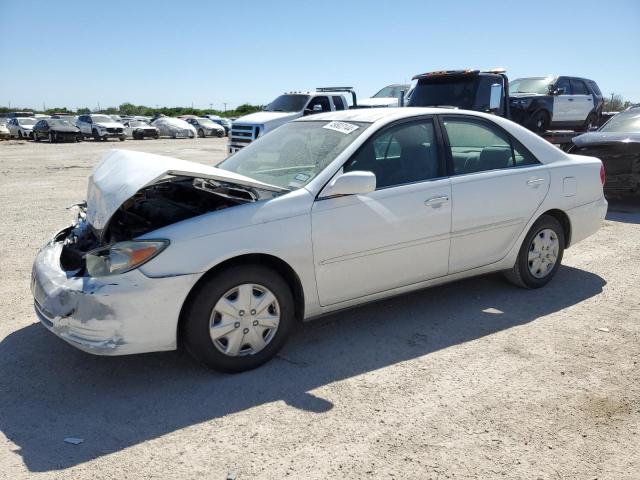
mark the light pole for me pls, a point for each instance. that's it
(225, 106)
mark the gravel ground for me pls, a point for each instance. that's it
(475, 379)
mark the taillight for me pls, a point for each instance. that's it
(602, 175)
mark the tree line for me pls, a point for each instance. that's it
(131, 109)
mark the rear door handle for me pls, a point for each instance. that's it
(435, 201)
(532, 182)
(570, 99)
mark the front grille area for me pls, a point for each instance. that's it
(242, 135)
(114, 130)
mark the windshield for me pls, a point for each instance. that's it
(624, 122)
(450, 91)
(288, 103)
(27, 121)
(530, 85)
(392, 91)
(137, 123)
(60, 123)
(290, 156)
(101, 119)
(205, 122)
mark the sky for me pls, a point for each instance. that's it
(177, 53)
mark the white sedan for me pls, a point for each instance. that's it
(21, 127)
(326, 212)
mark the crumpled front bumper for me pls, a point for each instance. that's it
(115, 315)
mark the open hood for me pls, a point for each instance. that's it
(122, 173)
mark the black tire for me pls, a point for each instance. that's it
(122, 139)
(78, 138)
(156, 136)
(36, 138)
(202, 301)
(220, 134)
(95, 135)
(201, 133)
(52, 138)
(591, 121)
(19, 135)
(539, 122)
(520, 274)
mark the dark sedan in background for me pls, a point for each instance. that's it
(56, 130)
(617, 144)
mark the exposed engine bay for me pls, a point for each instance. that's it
(164, 203)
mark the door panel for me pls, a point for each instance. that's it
(393, 237)
(563, 104)
(490, 211)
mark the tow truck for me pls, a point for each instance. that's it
(483, 91)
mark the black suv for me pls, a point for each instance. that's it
(541, 103)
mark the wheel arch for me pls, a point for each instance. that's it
(564, 220)
(283, 268)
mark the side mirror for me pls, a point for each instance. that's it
(350, 183)
(495, 97)
(559, 91)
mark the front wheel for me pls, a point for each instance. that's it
(96, 135)
(36, 138)
(52, 138)
(540, 254)
(201, 133)
(239, 319)
(539, 122)
(122, 139)
(590, 122)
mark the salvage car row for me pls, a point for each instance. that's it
(101, 127)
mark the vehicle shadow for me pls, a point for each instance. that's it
(624, 210)
(50, 391)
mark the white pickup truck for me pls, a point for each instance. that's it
(285, 108)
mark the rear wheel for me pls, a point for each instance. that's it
(540, 254)
(239, 319)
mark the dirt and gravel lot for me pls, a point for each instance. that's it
(476, 379)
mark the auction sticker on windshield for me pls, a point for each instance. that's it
(342, 127)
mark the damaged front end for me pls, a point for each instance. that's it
(86, 283)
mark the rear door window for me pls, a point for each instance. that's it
(578, 87)
(338, 103)
(477, 145)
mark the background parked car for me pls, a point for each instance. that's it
(139, 130)
(4, 132)
(206, 127)
(21, 127)
(100, 127)
(224, 122)
(173, 127)
(56, 130)
(617, 144)
(389, 96)
(541, 103)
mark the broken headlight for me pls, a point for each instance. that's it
(122, 257)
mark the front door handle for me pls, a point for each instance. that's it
(532, 182)
(436, 201)
(570, 99)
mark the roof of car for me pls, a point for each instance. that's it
(371, 115)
